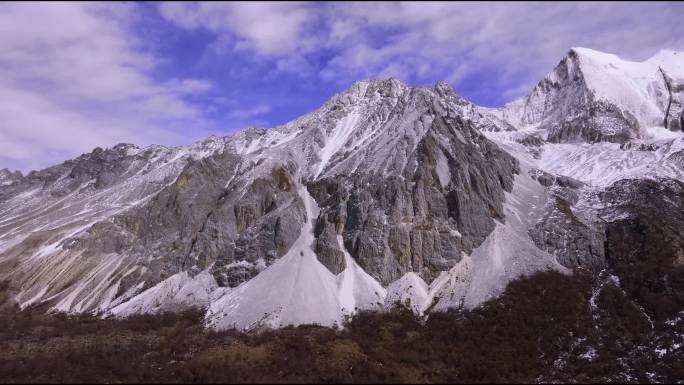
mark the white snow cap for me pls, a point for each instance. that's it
(637, 87)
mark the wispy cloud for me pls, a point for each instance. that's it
(72, 77)
(242, 114)
(189, 86)
(270, 28)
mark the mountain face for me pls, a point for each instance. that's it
(387, 194)
(592, 97)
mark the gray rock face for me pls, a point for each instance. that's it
(424, 218)
(531, 141)
(631, 222)
(197, 222)
(576, 240)
(674, 112)
(677, 158)
(425, 202)
(591, 125)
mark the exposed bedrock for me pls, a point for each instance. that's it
(211, 216)
(564, 104)
(443, 203)
(575, 240)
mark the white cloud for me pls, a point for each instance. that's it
(269, 28)
(72, 77)
(248, 114)
(520, 42)
(189, 86)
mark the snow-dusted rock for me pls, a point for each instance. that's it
(177, 292)
(593, 96)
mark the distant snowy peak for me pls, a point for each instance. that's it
(593, 96)
(638, 87)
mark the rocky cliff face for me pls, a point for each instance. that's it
(674, 112)
(575, 239)
(422, 220)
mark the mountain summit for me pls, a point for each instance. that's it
(593, 96)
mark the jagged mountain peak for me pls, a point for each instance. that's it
(445, 88)
(373, 125)
(390, 82)
(373, 88)
(592, 96)
(393, 88)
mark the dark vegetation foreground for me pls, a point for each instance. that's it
(545, 328)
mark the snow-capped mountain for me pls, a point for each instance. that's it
(593, 96)
(387, 194)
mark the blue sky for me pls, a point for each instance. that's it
(74, 76)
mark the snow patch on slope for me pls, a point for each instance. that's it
(601, 164)
(450, 288)
(180, 291)
(442, 168)
(410, 290)
(637, 87)
(357, 289)
(337, 139)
